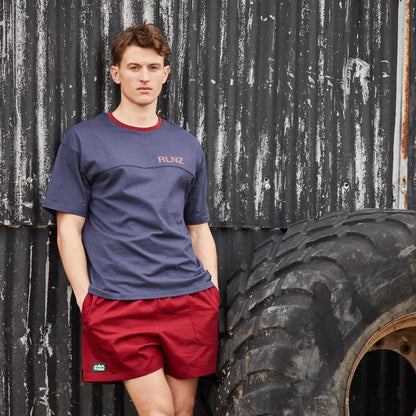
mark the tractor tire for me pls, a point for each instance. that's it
(303, 310)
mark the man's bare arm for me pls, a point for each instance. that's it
(72, 253)
(204, 247)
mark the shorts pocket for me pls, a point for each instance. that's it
(217, 293)
(86, 306)
(204, 307)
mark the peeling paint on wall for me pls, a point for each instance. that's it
(356, 68)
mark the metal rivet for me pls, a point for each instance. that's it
(266, 184)
(405, 348)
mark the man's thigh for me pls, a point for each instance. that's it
(183, 394)
(151, 394)
(174, 396)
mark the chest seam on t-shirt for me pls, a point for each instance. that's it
(145, 167)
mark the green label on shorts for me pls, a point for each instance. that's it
(99, 367)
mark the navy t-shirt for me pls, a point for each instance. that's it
(137, 189)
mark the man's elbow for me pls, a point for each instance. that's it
(68, 228)
(196, 231)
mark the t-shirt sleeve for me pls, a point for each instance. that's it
(68, 190)
(196, 208)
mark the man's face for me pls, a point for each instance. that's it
(141, 74)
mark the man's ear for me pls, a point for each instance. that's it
(166, 71)
(115, 73)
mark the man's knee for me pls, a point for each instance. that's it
(185, 408)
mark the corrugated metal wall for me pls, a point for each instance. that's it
(294, 102)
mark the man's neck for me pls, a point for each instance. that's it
(136, 116)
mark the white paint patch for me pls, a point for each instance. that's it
(220, 199)
(322, 13)
(407, 251)
(5, 202)
(378, 18)
(166, 12)
(360, 164)
(127, 16)
(84, 53)
(251, 77)
(355, 68)
(3, 45)
(221, 171)
(149, 11)
(261, 157)
(320, 135)
(287, 125)
(200, 115)
(175, 35)
(379, 163)
(18, 28)
(45, 347)
(238, 143)
(105, 23)
(251, 73)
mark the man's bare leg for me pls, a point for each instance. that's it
(183, 393)
(151, 394)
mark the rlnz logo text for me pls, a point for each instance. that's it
(170, 159)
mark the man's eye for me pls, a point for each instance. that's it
(133, 68)
(154, 67)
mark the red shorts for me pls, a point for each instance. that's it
(128, 339)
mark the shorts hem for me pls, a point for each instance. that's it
(89, 377)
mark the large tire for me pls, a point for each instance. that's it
(298, 317)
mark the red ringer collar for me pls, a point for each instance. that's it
(127, 126)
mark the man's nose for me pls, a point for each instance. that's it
(144, 75)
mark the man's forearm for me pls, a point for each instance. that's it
(204, 247)
(74, 259)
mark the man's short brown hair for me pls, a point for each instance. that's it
(145, 36)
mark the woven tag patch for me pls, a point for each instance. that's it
(98, 367)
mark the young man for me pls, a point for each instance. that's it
(129, 190)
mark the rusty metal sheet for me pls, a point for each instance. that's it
(411, 188)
